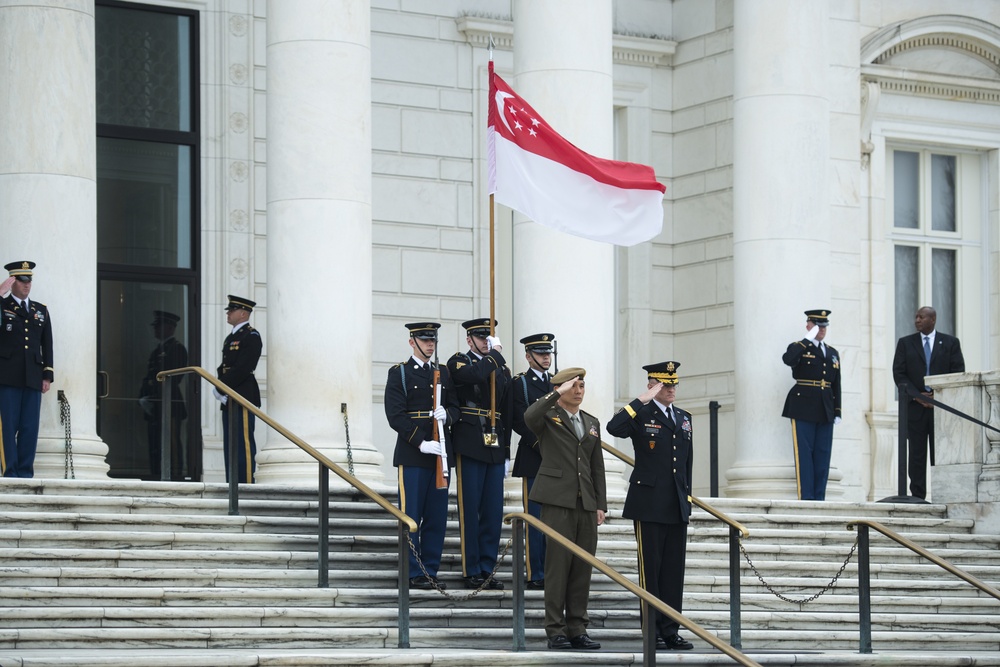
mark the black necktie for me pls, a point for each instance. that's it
(670, 417)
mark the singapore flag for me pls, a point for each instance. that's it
(535, 171)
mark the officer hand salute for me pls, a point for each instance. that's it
(482, 445)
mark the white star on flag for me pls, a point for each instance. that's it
(542, 175)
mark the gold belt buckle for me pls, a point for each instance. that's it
(491, 440)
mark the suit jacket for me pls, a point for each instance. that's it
(470, 376)
(407, 407)
(661, 480)
(570, 468)
(816, 395)
(527, 388)
(240, 354)
(25, 345)
(908, 364)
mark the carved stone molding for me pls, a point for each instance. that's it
(870, 93)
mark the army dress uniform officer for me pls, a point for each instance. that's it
(657, 500)
(527, 388)
(169, 353)
(481, 449)
(240, 354)
(813, 404)
(26, 370)
(409, 407)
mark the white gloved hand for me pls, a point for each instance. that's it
(146, 405)
(219, 396)
(836, 421)
(440, 414)
(431, 447)
(494, 343)
(812, 333)
(506, 468)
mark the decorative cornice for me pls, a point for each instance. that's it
(627, 49)
(953, 42)
(926, 84)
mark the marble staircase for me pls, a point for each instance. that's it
(130, 573)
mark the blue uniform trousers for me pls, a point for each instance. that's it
(480, 514)
(813, 443)
(19, 409)
(427, 505)
(535, 544)
(246, 446)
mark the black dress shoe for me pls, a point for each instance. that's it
(492, 583)
(584, 643)
(559, 642)
(421, 583)
(536, 585)
(473, 582)
(673, 643)
(439, 584)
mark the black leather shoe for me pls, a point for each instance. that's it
(438, 583)
(473, 582)
(584, 643)
(492, 583)
(421, 583)
(559, 642)
(673, 643)
(536, 585)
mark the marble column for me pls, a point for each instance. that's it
(319, 263)
(562, 67)
(48, 205)
(781, 226)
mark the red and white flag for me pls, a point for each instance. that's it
(535, 171)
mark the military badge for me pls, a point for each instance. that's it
(10, 327)
(652, 444)
(593, 430)
(686, 425)
(557, 420)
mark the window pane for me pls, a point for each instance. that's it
(943, 193)
(143, 203)
(943, 288)
(907, 288)
(143, 69)
(906, 189)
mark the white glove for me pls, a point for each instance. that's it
(494, 342)
(812, 333)
(146, 405)
(219, 396)
(431, 447)
(506, 468)
(836, 421)
(440, 414)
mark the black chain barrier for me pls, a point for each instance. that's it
(461, 598)
(829, 587)
(64, 418)
(347, 433)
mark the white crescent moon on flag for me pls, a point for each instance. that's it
(501, 106)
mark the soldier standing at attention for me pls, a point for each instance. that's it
(482, 450)
(813, 404)
(240, 354)
(26, 370)
(409, 407)
(169, 353)
(527, 388)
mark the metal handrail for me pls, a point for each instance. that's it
(644, 595)
(864, 574)
(736, 531)
(718, 514)
(374, 496)
(405, 524)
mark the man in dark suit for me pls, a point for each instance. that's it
(528, 387)
(813, 404)
(169, 353)
(26, 370)
(657, 500)
(240, 354)
(926, 352)
(410, 395)
(481, 438)
(573, 492)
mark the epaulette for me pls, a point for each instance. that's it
(518, 376)
(394, 367)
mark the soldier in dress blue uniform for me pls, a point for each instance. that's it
(410, 409)
(240, 354)
(526, 389)
(169, 353)
(482, 449)
(26, 370)
(813, 404)
(657, 500)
